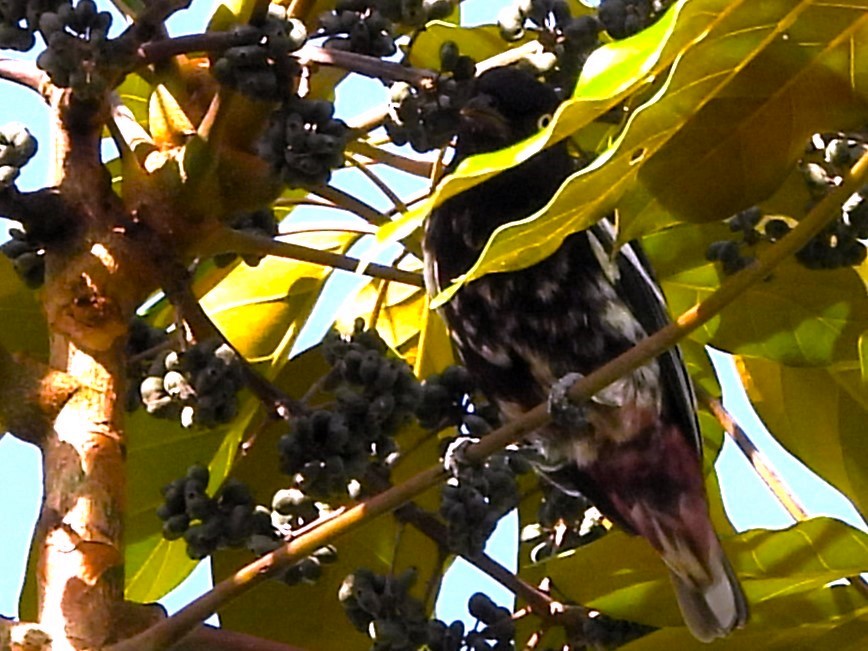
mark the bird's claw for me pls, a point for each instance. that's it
(563, 410)
(455, 456)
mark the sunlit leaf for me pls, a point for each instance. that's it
(797, 316)
(738, 104)
(597, 91)
(785, 575)
(819, 415)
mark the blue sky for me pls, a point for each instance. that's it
(748, 502)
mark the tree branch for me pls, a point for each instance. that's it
(308, 54)
(209, 638)
(230, 240)
(25, 73)
(23, 635)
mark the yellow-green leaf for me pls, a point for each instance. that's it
(24, 327)
(739, 103)
(797, 316)
(785, 575)
(819, 415)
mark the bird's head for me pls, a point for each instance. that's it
(508, 105)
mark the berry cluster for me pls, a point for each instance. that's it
(206, 523)
(257, 222)
(326, 449)
(368, 26)
(569, 38)
(357, 27)
(304, 142)
(839, 244)
(445, 401)
(80, 55)
(258, 64)
(623, 18)
(17, 147)
(19, 20)
(428, 118)
(292, 510)
(475, 499)
(728, 252)
(564, 522)
(27, 256)
(199, 385)
(383, 607)
(496, 634)
(144, 344)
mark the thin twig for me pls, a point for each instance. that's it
(364, 65)
(350, 203)
(232, 241)
(378, 155)
(764, 469)
(365, 169)
(758, 461)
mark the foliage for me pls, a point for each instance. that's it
(705, 110)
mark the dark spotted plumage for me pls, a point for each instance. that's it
(518, 332)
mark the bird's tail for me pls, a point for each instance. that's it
(711, 600)
(708, 591)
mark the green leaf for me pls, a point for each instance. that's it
(819, 415)
(841, 634)
(276, 297)
(24, 327)
(738, 103)
(785, 575)
(797, 316)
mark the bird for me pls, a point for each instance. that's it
(634, 448)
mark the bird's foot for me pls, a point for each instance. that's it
(564, 411)
(455, 457)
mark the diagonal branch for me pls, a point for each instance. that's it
(758, 461)
(229, 240)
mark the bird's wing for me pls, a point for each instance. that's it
(636, 285)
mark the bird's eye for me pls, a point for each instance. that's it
(544, 121)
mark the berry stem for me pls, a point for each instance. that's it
(231, 240)
(350, 203)
(365, 152)
(365, 169)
